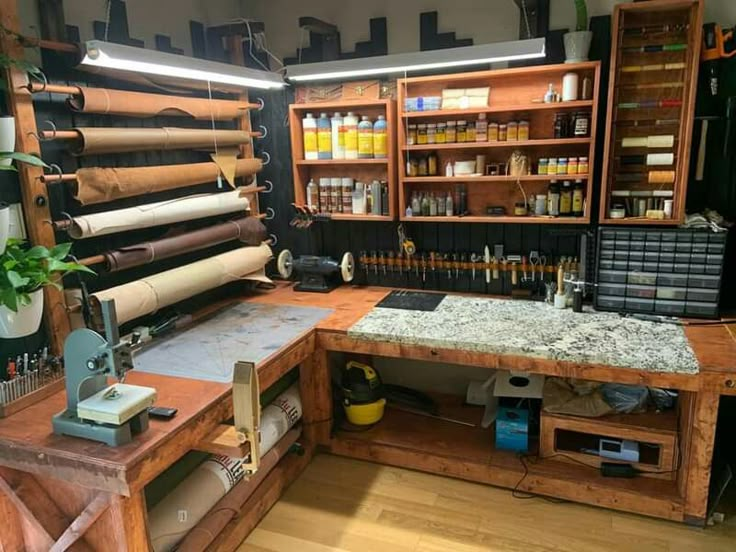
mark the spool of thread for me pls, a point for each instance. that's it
(661, 177)
(655, 141)
(660, 159)
(570, 84)
(668, 208)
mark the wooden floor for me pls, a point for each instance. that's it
(340, 504)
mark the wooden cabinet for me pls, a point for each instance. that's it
(651, 105)
(515, 95)
(360, 170)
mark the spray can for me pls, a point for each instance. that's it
(380, 138)
(324, 137)
(365, 138)
(338, 137)
(350, 124)
(312, 195)
(324, 195)
(309, 129)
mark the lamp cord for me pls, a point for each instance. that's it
(525, 13)
(107, 18)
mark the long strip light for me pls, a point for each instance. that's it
(129, 58)
(419, 61)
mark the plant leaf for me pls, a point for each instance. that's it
(37, 252)
(61, 251)
(16, 280)
(23, 158)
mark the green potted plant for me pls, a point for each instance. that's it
(577, 43)
(10, 156)
(24, 272)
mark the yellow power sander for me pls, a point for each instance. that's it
(363, 394)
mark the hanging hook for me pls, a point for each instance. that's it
(55, 169)
(263, 104)
(40, 76)
(268, 157)
(270, 213)
(274, 239)
(269, 188)
(38, 137)
(264, 132)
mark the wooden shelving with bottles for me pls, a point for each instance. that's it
(361, 170)
(651, 96)
(515, 94)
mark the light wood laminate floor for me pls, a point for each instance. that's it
(340, 504)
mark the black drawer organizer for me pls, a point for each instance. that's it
(673, 272)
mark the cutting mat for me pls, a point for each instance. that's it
(246, 332)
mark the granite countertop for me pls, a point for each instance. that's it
(534, 329)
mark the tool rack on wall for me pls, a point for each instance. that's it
(515, 94)
(651, 106)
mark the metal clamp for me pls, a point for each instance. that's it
(270, 214)
(269, 188)
(268, 157)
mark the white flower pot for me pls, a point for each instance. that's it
(4, 226)
(24, 322)
(577, 46)
(7, 137)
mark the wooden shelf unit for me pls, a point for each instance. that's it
(626, 87)
(363, 170)
(513, 96)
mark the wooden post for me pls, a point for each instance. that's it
(129, 524)
(35, 198)
(315, 388)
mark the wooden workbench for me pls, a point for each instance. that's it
(75, 491)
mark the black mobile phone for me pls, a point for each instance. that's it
(162, 412)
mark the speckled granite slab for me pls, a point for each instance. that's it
(534, 329)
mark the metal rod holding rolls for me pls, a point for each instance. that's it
(74, 135)
(37, 87)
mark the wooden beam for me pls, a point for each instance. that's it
(315, 389)
(224, 440)
(129, 524)
(38, 534)
(35, 198)
(84, 521)
(11, 536)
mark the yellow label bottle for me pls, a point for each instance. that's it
(380, 138)
(309, 124)
(350, 124)
(365, 138)
(324, 137)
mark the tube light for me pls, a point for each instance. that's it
(419, 61)
(129, 58)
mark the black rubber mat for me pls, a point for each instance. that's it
(412, 300)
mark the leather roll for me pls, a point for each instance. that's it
(101, 185)
(158, 214)
(141, 297)
(249, 230)
(140, 104)
(98, 141)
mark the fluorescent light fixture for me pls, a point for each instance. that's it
(151, 62)
(418, 61)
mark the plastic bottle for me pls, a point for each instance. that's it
(376, 197)
(448, 205)
(350, 123)
(309, 129)
(365, 138)
(359, 199)
(432, 206)
(380, 138)
(324, 137)
(578, 199)
(416, 203)
(312, 195)
(338, 137)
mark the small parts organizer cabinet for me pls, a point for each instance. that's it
(573, 439)
(651, 102)
(515, 95)
(354, 171)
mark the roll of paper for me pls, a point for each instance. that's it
(141, 297)
(660, 159)
(97, 141)
(156, 214)
(661, 177)
(98, 185)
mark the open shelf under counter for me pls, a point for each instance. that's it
(510, 145)
(502, 178)
(501, 108)
(341, 161)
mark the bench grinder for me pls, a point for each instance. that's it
(317, 273)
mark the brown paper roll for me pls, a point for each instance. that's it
(141, 104)
(142, 297)
(98, 185)
(249, 230)
(97, 141)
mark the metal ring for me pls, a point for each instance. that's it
(269, 189)
(38, 137)
(270, 214)
(268, 157)
(54, 169)
(264, 132)
(274, 239)
(263, 104)
(44, 81)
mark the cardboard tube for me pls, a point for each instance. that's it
(141, 104)
(97, 141)
(141, 297)
(249, 230)
(102, 185)
(157, 214)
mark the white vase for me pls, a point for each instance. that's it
(577, 46)
(24, 322)
(4, 225)
(7, 137)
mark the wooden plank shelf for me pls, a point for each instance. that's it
(501, 220)
(501, 108)
(514, 144)
(372, 218)
(502, 178)
(341, 161)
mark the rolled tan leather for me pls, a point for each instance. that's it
(141, 297)
(101, 185)
(98, 141)
(249, 230)
(141, 104)
(157, 214)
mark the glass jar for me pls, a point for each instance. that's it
(493, 132)
(421, 134)
(502, 133)
(553, 199)
(578, 199)
(562, 165)
(523, 130)
(512, 131)
(412, 138)
(540, 204)
(451, 134)
(566, 199)
(583, 167)
(423, 167)
(462, 131)
(520, 209)
(572, 165)
(552, 165)
(471, 132)
(542, 166)
(431, 133)
(441, 133)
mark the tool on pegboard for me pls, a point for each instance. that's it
(718, 44)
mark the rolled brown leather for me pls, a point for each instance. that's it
(98, 141)
(98, 185)
(141, 104)
(249, 230)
